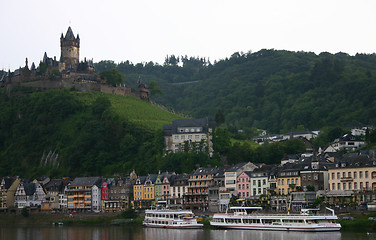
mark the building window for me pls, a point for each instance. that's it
(333, 176)
(349, 174)
(355, 176)
(355, 185)
(349, 185)
(338, 186)
(333, 186)
(366, 174)
(189, 136)
(283, 181)
(338, 175)
(361, 186)
(296, 181)
(182, 137)
(197, 137)
(176, 137)
(344, 186)
(360, 174)
(316, 176)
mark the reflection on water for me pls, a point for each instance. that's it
(273, 235)
(139, 233)
(181, 234)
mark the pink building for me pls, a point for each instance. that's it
(166, 188)
(243, 185)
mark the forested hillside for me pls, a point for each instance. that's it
(68, 133)
(275, 90)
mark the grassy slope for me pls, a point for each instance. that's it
(148, 115)
(250, 142)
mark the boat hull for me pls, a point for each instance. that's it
(305, 228)
(186, 226)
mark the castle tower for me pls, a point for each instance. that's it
(70, 49)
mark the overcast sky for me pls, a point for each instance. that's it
(143, 30)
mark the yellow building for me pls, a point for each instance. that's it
(143, 191)
(288, 180)
(356, 174)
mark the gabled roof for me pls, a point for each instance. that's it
(220, 173)
(179, 178)
(8, 182)
(348, 137)
(355, 162)
(142, 179)
(85, 181)
(29, 188)
(55, 185)
(153, 177)
(235, 167)
(201, 171)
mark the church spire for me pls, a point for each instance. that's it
(69, 35)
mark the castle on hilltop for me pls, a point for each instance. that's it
(68, 72)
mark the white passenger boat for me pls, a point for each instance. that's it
(166, 218)
(249, 218)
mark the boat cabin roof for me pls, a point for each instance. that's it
(246, 208)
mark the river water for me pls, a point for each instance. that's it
(131, 232)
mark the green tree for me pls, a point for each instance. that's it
(100, 105)
(113, 76)
(219, 117)
(154, 89)
(221, 140)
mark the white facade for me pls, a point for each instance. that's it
(33, 200)
(230, 182)
(96, 198)
(178, 191)
(194, 137)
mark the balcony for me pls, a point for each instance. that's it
(199, 186)
(346, 179)
(195, 194)
(200, 179)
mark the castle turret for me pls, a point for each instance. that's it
(70, 49)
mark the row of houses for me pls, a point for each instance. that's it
(349, 180)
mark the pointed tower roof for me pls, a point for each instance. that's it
(69, 35)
